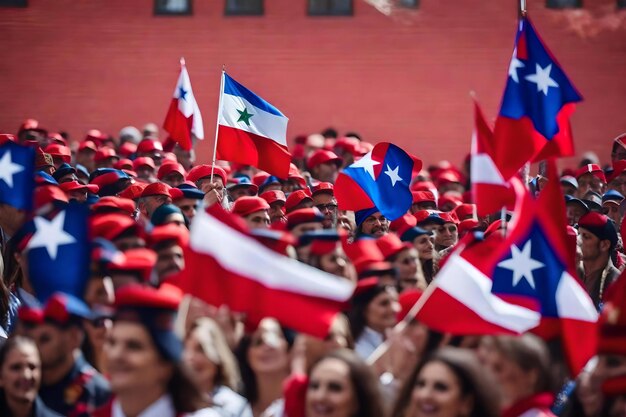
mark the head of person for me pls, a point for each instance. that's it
(304, 220)
(371, 222)
(575, 208)
(209, 357)
(253, 210)
(154, 196)
(597, 236)
(447, 233)
(451, 382)
(168, 214)
(569, 185)
(610, 206)
(201, 176)
(327, 254)
(171, 173)
(167, 242)
(324, 165)
(188, 201)
(342, 385)
(276, 199)
(520, 364)
(373, 305)
(618, 151)
(241, 186)
(423, 200)
(324, 199)
(262, 355)
(20, 371)
(143, 354)
(590, 177)
(134, 267)
(404, 258)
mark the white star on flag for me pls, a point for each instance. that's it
(393, 175)
(50, 234)
(522, 264)
(367, 163)
(514, 66)
(542, 78)
(8, 169)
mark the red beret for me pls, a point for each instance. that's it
(167, 232)
(59, 150)
(467, 225)
(110, 226)
(143, 296)
(593, 169)
(169, 167)
(259, 178)
(296, 198)
(423, 197)
(105, 153)
(127, 149)
(449, 217)
(390, 245)
(124, 164)
(75, 186)
(96, 136)
(322, 156)
(143, 161)
(249, 204)
(273, 196)
(124, 205)
(323, 187)
(133, 191)
(140, 260)
(305, 215)
(87, 145)
(402, 224)
(46, 194)
(156, 188)
(465, 211)
(450, 198)
(149, 145)
(203, 171)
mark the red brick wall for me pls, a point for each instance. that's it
(104, 64)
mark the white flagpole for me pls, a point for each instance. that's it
(217, 123)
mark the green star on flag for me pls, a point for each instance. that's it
(244, 116)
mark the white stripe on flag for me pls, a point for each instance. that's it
(484, 170)
(245, 256)
(468, 285)
(262, 123)
(572, 301)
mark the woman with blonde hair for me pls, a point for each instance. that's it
(214, 367)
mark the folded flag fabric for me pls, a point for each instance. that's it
(58, 251)
(490, 191)
(183, 116)
(533, 123)
(17, 182)
(240, 272)
(251, 131)
(381, 179)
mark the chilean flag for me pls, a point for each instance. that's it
(183, 117)
(251, 131)
(533, 123)
(490, 192)
(250, 278)
(381, 179)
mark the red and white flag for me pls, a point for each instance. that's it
(226, 266)
(490, 192)
(183, 117)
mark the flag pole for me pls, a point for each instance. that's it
(217, 123)
(522, 8)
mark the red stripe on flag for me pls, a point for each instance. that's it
(349, 195)
(246, 148)
(178, 126)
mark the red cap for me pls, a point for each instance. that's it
(305, 215)
(87, 145)
(124, 205)
(621, 140)
(249, 204)
(296, 198)
(390, 245)
(31, 124)
(465, 211)
(433, 215)
(259, 178)
(322, 156)
(133, 191)
(105, 153)
(323, 187)
(276, 240)
(76, 186)
(350, 145)
(143, 296)
(96, 136)
(56, 137)
(46, 194)
(156, 188)
(274, 196)
(467, 225)
(140, 260)
(407, 300)
(62, 151)
(169, 167)
(149, 145)
(450, 198)
(203, 171)
(449, 217)
(127, 149)
(448, 176)
(591, 169)
(402, 224)
(124, 164)
(167, 232)
(321, 247)
(110, 226)
(423, 197)
(143, 161)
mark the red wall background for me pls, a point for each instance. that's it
(76, 65)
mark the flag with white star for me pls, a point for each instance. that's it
(17, 182)
(379, 179)
(533, 123)
(58, 251)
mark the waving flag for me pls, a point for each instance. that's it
(266, 284)
(536, 271)
(381, 178)
(17, 182)
(251, 131)
(183, 117)
(533, 122)
(58, 252)
(490, 192)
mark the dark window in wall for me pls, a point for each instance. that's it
(564, 4)
(330, 8)
(13, 3)
(172, 7)
(244, 8)
(413, 4)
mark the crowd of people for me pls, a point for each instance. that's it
(133, 345)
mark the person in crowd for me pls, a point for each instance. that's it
(20, 379)
(253, 210)
(326, 253)
(448, 383)
(403, 256)
(371, 222)
(324, 199)
(324, 165)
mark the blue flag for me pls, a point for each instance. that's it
(59, 252)
(17, 164)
